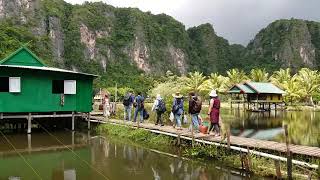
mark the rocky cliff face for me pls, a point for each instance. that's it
(286, 43)
(98, 38)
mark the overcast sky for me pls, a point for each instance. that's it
(236, 20)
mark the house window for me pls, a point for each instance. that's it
(70, 87)
(14, 84)
(57, 86)
(4, 84)
(64, 87)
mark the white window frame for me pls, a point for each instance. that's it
(70, 87)
(14, 84)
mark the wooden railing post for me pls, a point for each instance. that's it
(228, 137)
(278, 169)
(289, 153)
(179, 141)
(192, 134)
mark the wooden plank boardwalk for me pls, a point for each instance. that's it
(234, 140)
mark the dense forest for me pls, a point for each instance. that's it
(135, 49)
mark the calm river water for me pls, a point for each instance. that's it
(303, 126)
(96, 158)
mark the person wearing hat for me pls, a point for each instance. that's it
(159, 107)
(214, 112)
(177, 109)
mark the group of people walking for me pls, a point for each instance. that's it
(177, 110)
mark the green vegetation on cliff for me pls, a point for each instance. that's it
(122, 45)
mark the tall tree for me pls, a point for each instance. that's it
(280, 77)
(236, 76)
(215, 81)
(194, 81)
(309, 83)
(259, 75)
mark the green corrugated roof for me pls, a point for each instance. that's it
(267, 88)
(240, 88)
(245, 89)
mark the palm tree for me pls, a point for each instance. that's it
(280, 77)
(292, 89)
(259, 75)
(236, 76)
(215, 81)
(194, 81)
(309, 83)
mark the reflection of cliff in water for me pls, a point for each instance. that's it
(303, 125)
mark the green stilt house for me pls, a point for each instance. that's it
(28, 86)
(258, 96)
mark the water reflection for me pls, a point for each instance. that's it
(124, 161)
(97, 158)
(303, 126)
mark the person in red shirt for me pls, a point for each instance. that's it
(214, 112)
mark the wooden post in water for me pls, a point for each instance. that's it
(179, 141)
(278, 169)
(289, 153)
(29, 123)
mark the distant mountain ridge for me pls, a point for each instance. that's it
(115, 42)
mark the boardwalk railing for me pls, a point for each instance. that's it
(236, 143)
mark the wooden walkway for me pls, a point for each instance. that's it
(234, 140)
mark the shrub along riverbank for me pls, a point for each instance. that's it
(258, 165)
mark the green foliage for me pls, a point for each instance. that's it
(215, 81)
(194, 81)
(236, 76)
(259, 75)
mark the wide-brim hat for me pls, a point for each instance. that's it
(177, 95)
(213, 93)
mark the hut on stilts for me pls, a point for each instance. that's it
(256, 96)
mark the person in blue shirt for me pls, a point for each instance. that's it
(139, 105)
(177, 109)
(127, 103)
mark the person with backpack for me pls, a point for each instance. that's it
(139, 105)
(177, 109)
(159, 107)
(214, 112)
(127, 103)
(195, 106)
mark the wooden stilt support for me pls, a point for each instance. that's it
(178, 138)
(89, 117)
(72, 140)
(1, 115)
(72, 125)
(29, 143)
(29, 123)
(278, 169)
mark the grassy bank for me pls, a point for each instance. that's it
(258, 165)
